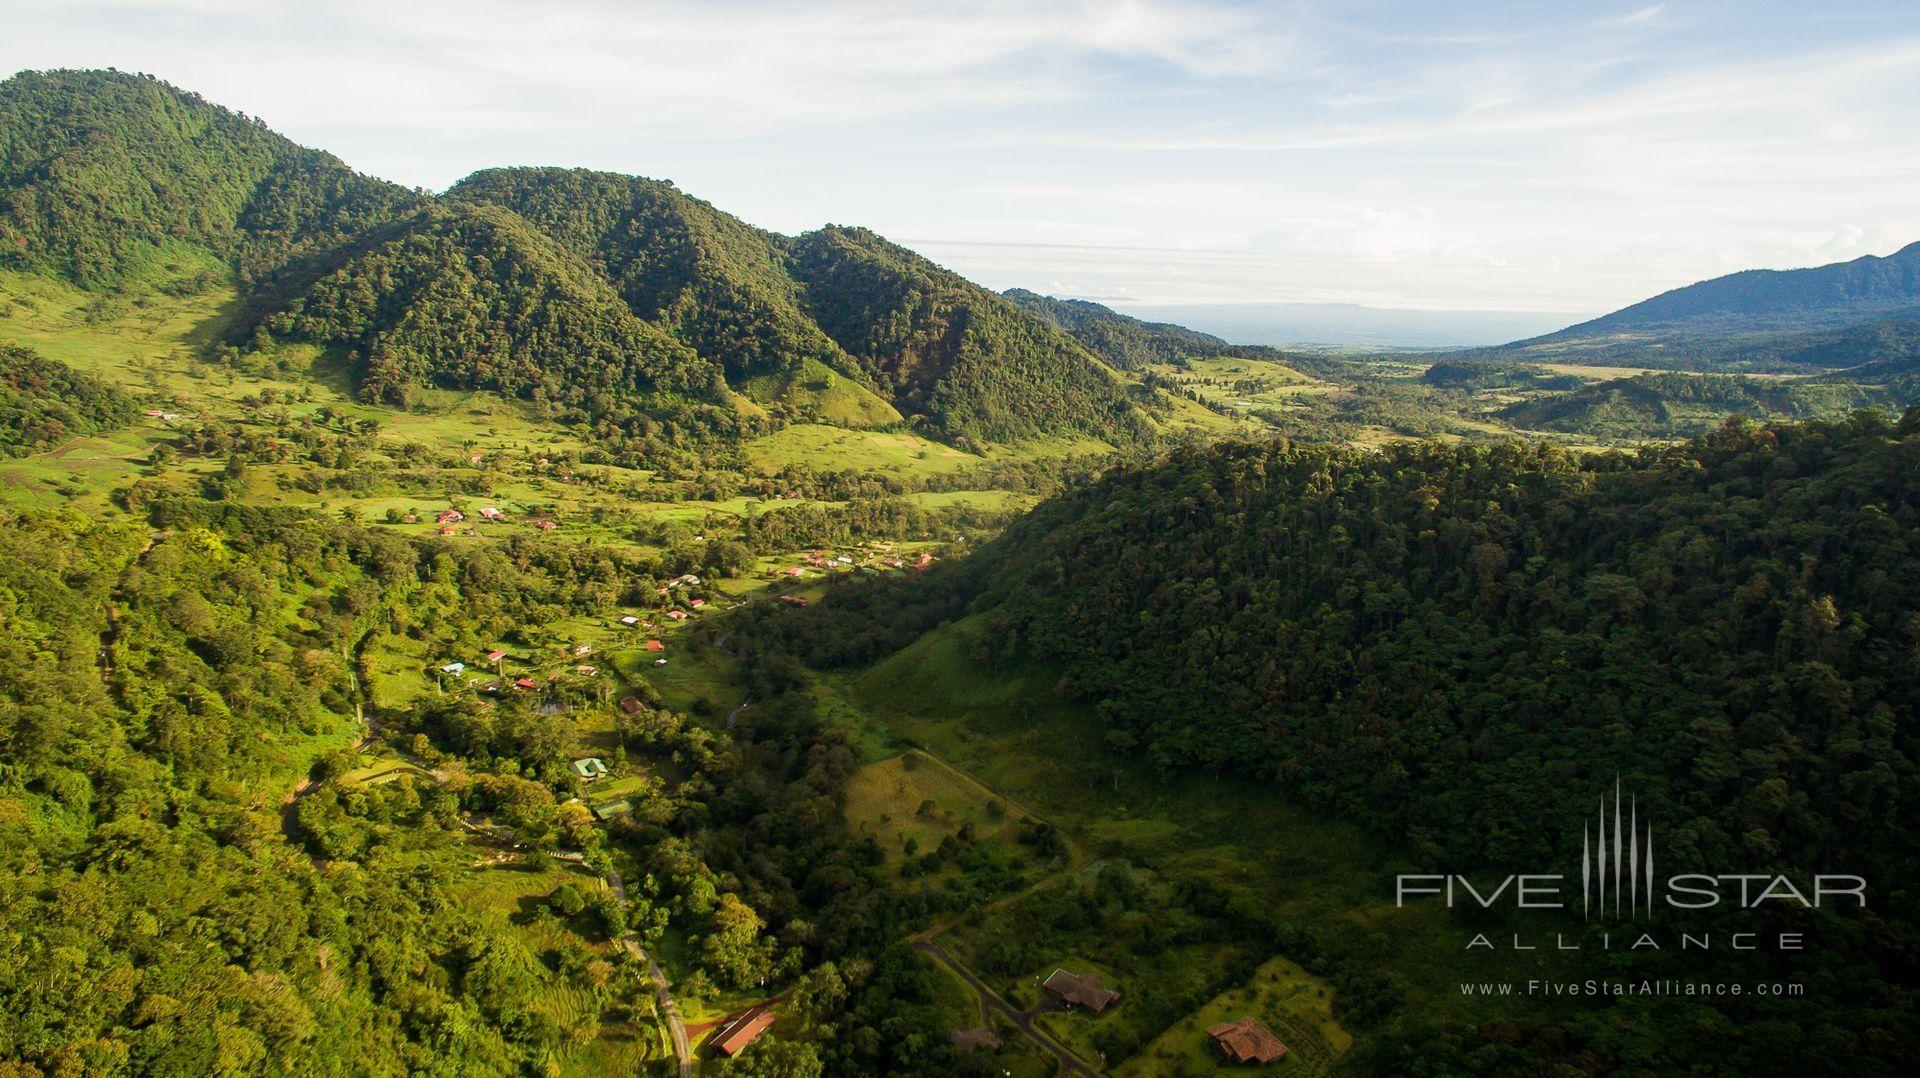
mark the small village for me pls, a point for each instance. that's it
(640, 645)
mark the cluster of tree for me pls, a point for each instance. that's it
(1467, 375)
(800, 526)
(44, 402)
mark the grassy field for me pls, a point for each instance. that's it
(1294, 1005)
(910, 803)
(1243, 384)
(817, 393)
(823, 446)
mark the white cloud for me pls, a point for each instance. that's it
(1502, 157)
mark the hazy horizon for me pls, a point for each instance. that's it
(1351, 325)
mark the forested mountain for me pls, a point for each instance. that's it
(606, 295)
(98, 168)
(1838, 315)
(1375, 629)
(948, 349)
(1822, 297)
(713, 281)
(472, 297)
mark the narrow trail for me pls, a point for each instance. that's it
(923, 940)
(662, 992)
(1076, 857)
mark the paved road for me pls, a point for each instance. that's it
(1069, 1062)
(661, 992)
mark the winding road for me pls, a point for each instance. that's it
(1069, 1062)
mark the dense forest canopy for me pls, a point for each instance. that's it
(963, 356)
(1408, 634)
(715, 282)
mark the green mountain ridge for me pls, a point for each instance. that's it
(945, 347)
(1128, 343)
(1123, 341)
(718, 284)
(473, 298)
(1837, 315)
(510, 280)
(96, 169)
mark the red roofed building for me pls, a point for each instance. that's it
(495, 656)
(1245, 1040)
(655, 645)
(739, 1031)
(524, 683)
(450, 516)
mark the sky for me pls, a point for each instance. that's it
(1568, 157)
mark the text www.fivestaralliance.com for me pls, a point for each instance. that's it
(1598, 987)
